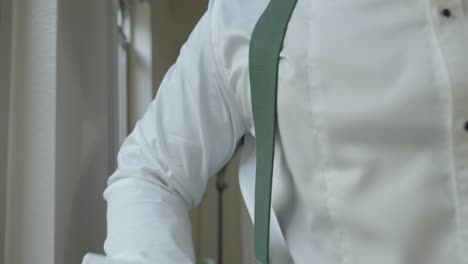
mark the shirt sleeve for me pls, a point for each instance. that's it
(186, 135)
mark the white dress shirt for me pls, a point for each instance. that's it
(371, 160)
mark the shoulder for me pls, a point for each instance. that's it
(232, 23)
(234, 20)
(240, 14)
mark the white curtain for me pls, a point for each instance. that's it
(5, 37)
(61, 145)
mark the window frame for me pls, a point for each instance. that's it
(122, 43)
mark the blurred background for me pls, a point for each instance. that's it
(75, 76)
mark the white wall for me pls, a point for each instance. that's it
(60, 150)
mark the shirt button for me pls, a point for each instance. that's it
(446, 12)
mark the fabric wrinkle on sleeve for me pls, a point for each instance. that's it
(187, 134)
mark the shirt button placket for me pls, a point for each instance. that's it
(453, 40)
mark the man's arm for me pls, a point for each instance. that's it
(187, 134)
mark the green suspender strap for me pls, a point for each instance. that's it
(265, 46)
